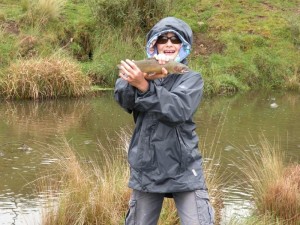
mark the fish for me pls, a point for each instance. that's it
(151, 66)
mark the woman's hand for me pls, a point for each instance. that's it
(133, 75)
(162, 59)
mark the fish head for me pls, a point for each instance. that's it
(181, 69)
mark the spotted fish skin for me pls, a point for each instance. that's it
(151, 66)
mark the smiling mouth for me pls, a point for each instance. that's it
(169, 52)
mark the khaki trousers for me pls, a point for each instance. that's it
(193, 208)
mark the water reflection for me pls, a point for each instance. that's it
(225, 125)
(46, 118)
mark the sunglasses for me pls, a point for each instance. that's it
(164, 40)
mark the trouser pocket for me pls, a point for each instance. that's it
(131, 214)
(204, 208)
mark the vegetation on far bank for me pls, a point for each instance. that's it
(238, 45)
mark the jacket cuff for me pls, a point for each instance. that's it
(147, 93)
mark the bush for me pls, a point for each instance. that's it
(133, 16)
(43, 78)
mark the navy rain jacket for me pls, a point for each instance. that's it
(163, 152)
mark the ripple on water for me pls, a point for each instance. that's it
(22, 210)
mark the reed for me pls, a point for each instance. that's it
(283, 196)
(91, 192)
(96, 192)
(276, 187)
(44, 78)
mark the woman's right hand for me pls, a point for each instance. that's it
(162, 59)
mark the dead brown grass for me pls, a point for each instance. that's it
(276, 187)
(44, 78)
(283, 196)
(90, 192)
(97, 193)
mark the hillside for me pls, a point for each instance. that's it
(238, 44)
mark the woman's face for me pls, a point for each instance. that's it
(168, 44)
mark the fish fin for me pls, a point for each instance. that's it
(151, 74)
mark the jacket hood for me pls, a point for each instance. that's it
(175, 25)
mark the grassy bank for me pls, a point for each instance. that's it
(238, 45)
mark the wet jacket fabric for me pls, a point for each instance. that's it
(163, 153)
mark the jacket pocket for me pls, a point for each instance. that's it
(204, 208)
(131, 214)
(184, 152)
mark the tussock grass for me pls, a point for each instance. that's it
(283, 197)
(91, 192)
(44, 78)
(276, 187)
(96, 192)
(215, 182)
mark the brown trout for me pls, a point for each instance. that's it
(151, 66)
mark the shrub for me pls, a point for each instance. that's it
(133, 16)
(43, 78)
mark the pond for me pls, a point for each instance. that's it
(224, 123)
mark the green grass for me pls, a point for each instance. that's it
(261, 39)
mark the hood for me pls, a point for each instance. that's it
(177, 26)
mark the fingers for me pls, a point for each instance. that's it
(164, 71)
(125, 70)
(128, 67)
(123, 75)
(129, 71)
(161, 58)
(132, 64)
(154, 77)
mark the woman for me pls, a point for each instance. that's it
(163, 154)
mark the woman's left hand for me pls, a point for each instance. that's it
(162, 59)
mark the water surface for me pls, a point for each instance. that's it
(224, 124)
